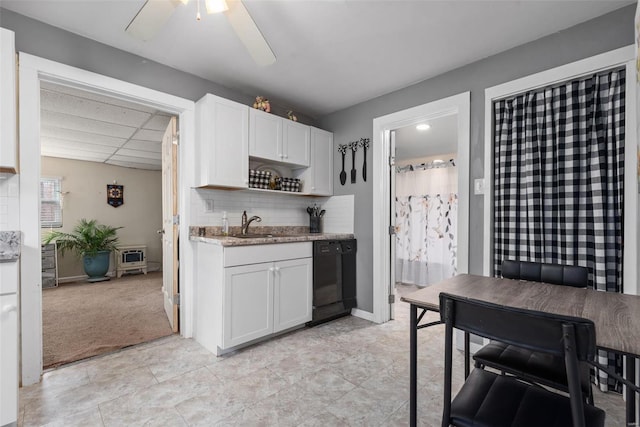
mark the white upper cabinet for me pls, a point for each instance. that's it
(318, 178)
(277, 139)
(8, 158)
(296, 142)
(223, 140)
(265, 135)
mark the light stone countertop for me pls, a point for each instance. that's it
(9, 246)
(213, 235)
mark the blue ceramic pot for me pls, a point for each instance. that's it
(96, 266)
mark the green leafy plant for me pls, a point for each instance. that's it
(87, 238)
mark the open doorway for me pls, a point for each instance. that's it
(384, 240)
(424, 198)
(33, 71)
(109, 161)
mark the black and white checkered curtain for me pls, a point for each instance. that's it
(559, 176)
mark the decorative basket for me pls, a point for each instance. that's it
(259, 179)
(289, 184)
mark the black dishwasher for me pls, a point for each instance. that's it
(334, 279)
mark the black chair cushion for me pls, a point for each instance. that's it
(487, 399)
(556, 274)
(533, 366)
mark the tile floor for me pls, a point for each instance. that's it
(348, 372)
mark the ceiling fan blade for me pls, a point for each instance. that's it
(150, 18)
(249, 33)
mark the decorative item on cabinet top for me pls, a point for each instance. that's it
(262, 103)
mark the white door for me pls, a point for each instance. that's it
(296, 139)
(392, 224)
(248, 303)
(293, 293)
(169, 226)
(265, 135)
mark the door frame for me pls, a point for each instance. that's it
(32, 70)
(382, 126)
(622, 56)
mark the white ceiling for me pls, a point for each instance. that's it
(440, 138)
(84, 126)
(331, 54)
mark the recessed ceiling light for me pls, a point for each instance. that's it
(423, 126)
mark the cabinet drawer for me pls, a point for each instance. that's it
(48, 262)
(254, 254)
(49, 282)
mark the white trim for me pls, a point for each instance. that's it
(622, 56)
(457, 104)
(32, 70)
(362, 314)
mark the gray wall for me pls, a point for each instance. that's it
(605, 33)
(46, 41)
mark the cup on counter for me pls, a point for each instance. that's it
(314, 224)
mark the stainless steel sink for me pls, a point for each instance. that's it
(252, 236)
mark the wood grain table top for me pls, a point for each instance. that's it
(616, 316)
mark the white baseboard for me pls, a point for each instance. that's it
(362, 314)
(70, 279)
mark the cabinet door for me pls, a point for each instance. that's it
(8, 160)
(265, 135)
(293, 295)
(248, 303)
(8, 359)
(223, 140)
(296, 143)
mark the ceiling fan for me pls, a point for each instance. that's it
(155, 13)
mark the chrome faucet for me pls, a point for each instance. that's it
(245, 222)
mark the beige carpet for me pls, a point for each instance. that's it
(83, 319)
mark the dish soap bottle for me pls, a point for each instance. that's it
(225, 224)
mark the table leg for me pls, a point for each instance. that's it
(630, 395)
(413, 365)
(466, 354)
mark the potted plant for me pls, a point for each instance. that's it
(91, 241)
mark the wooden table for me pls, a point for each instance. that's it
(618, 315)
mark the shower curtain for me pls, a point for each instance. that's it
(426, 225)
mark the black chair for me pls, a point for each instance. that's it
(490, 399)
(539, 368)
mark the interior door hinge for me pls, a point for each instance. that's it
(392, 160)
(392, 230)
(392, 298)
(176, 299)
(176, 219)
(176, 139)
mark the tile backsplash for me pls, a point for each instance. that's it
(9, 202)
(274, 209)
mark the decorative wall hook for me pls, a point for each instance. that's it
(342, 148)
(364, 143)
(354, 147)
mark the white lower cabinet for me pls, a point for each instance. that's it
(293, 293)
(245, 293)
(8, 359)
(261, 299)
(248, 303)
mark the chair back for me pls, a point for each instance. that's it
(556, 274)
(571, 337)
(529, 329)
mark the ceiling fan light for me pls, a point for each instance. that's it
(216, 6)
(184, 1)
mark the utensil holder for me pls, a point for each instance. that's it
(314, 224)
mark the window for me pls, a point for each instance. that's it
(51, 202)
